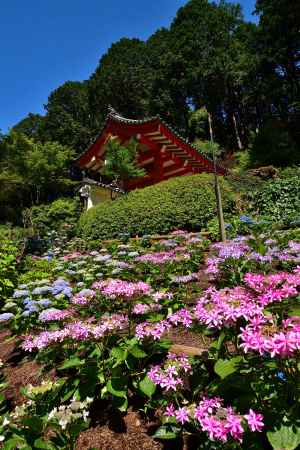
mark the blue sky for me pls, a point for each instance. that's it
(44, 43)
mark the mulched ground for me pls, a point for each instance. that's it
(119, 432)
(18, 370)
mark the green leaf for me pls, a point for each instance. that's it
(120, 403)
(40, 443)
(284, 438)
(225, 367)
(35, 423)
(137, 352)
(72, 362)
(13, 443)
(118, 353)
(147, 386)
(117, 386)
(294, 312)
(166, 432)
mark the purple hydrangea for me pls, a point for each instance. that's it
(6, 316)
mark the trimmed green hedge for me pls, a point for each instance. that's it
(182, 202)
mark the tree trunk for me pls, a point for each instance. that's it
(239, 142)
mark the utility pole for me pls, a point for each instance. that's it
(217, 186)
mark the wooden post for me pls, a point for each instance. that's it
(217, 187)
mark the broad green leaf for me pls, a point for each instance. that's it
(40, 443)
(294, 312)
(35, 423)
(118, 353)
(147, 386)
(120, 403)
(137, 352)
(118, 386)
(166, 432)
(284, 438)
(72, 362)
(13, 443)
(225, 367)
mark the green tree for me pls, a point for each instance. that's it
(279, 48)
(68, 118)
(122, 80)
(31, 172)
(32, 126)
(120, 162)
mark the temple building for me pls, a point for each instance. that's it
(162, 152)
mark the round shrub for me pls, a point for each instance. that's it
(53, 216)
(279, 199)
(182, 202)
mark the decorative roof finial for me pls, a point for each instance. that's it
(112, 111)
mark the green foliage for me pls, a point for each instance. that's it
(285, 438)
(68, 118)
(207, 148)
(183, 202)
(279, 199)
(31, 172)
(274, 145)
(62, 214)
(8, 269)
(120, 162)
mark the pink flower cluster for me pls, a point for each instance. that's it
(182, 316)
(157, 329)
(185, 278)
(169, 377)
(159, 295)
(218, 421)
(162, 257)
(114, 288)
(154, 330)
(224, 307)
(71, 256)
(53, 314)
(238, 248)
(143, 308)
(83, 297)
(267, 337)
(77, 331)
(274, 287)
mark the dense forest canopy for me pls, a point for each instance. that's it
(246, 76)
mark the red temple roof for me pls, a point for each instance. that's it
(163, 153)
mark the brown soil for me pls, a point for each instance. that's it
(18, 371)
(126, 432)
(184, 337)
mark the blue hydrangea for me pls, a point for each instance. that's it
(44, 303)
(19, 293)
(30, 303)
(27, 300)
(26, 313)
(23, 286)
(70, 272)
(248, 220)
(32, 309)
(59, 286)
(133, 254)
(6, 316)
(102, 258)
(41, 290)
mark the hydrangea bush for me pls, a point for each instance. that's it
(104, 319)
